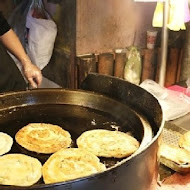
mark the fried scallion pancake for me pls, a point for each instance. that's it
(175, 154)
(19, 170)
(105, 143)
(6, 143)
(184, 141)
(43, 138)
(69, 164)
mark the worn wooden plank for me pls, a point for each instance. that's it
(106, 63)
(179, 65)
(172, 64)
(120, 61)
(86, 64)
(148, 65)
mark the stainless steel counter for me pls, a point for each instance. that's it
(183, 122)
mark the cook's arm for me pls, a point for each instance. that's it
(13, 45)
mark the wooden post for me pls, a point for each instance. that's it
(158, 65)
(120, 61)
(171, 69)
(106, 63)
(86, 64)
(148, 64)
(179, 65)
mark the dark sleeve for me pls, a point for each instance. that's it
(4, 26)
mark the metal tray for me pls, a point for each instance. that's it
(170, 135)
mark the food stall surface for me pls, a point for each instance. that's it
(183, 122)
(170, 179)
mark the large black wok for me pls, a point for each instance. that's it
(105, 102)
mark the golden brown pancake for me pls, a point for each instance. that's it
(184, 141)
(43, 138)
(19, 170)
(105, 143)
(69, 164)
(6, 143)
(175, 154)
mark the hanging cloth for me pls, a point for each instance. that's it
(178, 15)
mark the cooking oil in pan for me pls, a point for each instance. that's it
(75, 119)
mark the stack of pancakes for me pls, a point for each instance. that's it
(177, 157)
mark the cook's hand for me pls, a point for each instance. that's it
(32, 74)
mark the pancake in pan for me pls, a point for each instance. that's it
(105, 143)
(43, 138)
(6, 143)
(69, 164)
(19, 170)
